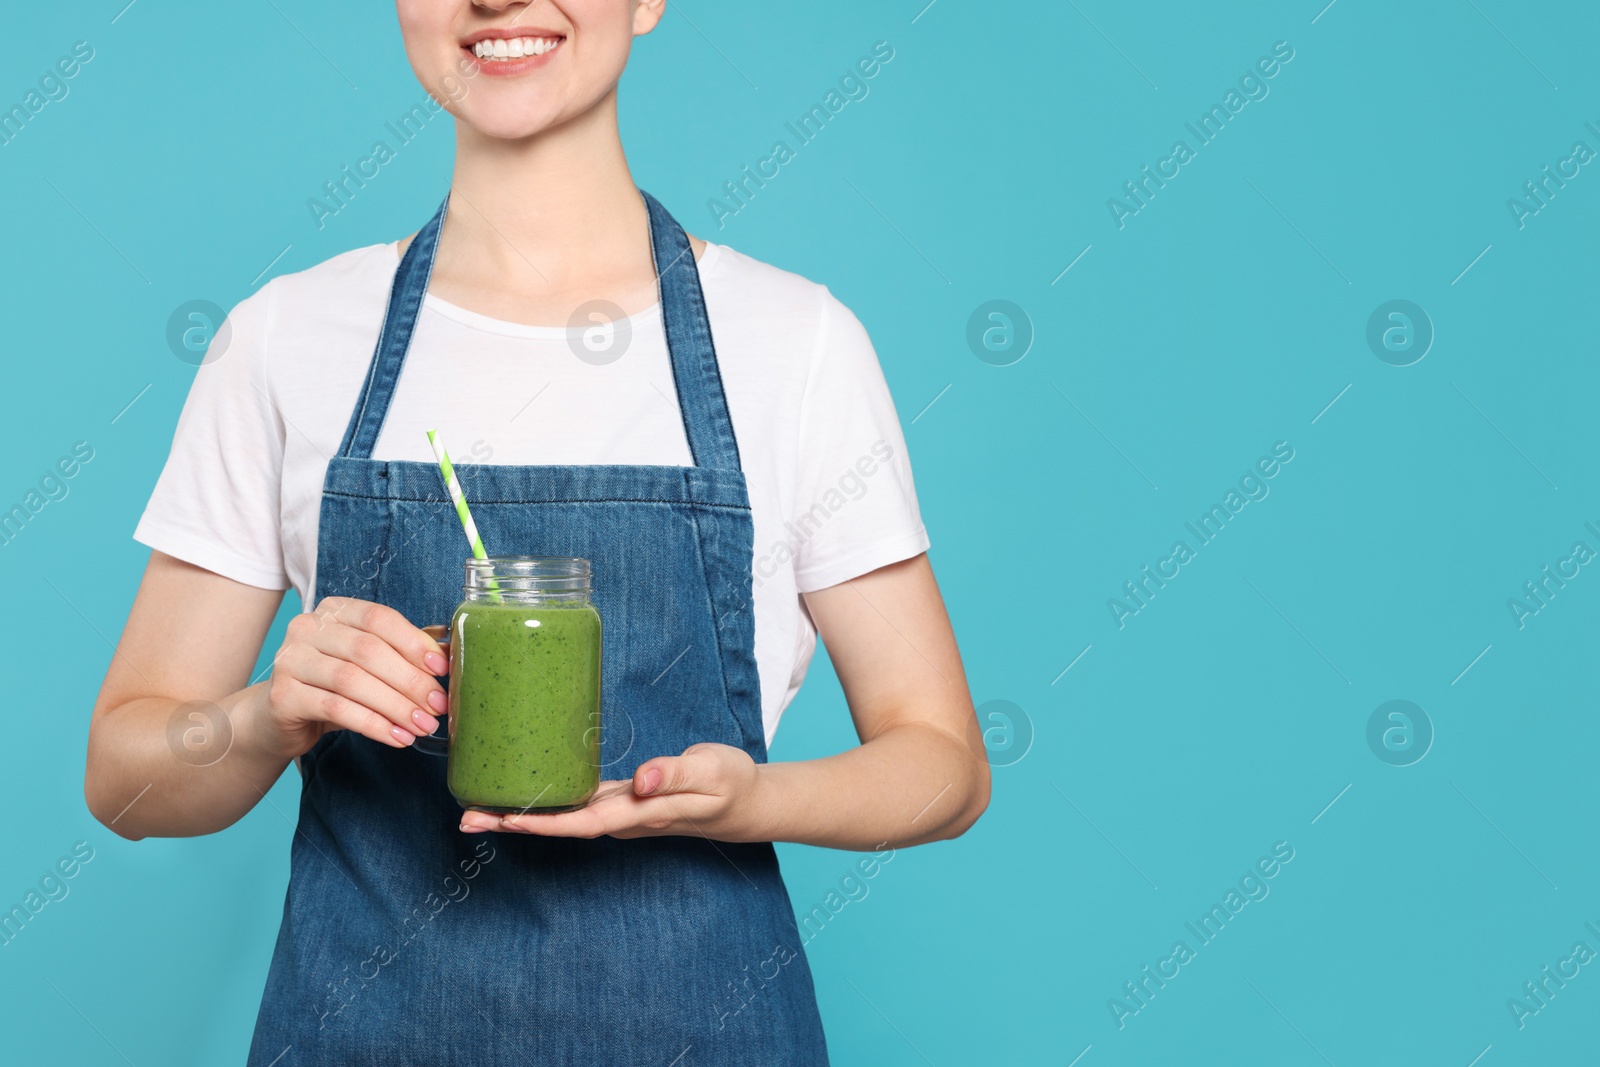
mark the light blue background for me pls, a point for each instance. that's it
(1223, 318)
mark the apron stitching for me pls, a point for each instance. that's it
(388, 539)
(564, 500)
(722, 656)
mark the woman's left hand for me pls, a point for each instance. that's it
(706, 792)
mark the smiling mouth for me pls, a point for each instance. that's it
(506, 49)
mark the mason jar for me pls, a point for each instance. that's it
(524, 722)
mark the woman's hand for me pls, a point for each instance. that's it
(708, 791)
(352, 665)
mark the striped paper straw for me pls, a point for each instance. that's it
(453, 487)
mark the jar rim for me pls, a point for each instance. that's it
(526, 576)
(551, 564)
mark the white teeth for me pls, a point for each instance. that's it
(514, 47)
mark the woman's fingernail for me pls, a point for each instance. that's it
(438, 702)
(652, 780)
(425, 722)
(405, 737)
(468, 828)
(436, 663)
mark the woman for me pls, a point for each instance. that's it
(747, 495)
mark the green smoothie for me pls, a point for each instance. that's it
(524, 706)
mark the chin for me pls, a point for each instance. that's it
(510, 124)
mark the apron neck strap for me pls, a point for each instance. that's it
(399, 323)
(701, 398)
(688, 329)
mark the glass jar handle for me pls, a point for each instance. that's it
(438, 742)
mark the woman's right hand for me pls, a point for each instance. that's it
(352, 665)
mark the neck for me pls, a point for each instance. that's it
(547, 206)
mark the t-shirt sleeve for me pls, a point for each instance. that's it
(855, 508)
(217, 502)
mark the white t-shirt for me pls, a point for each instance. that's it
(829, 480)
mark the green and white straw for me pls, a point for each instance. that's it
(453, 487)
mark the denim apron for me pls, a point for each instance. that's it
(405, 941)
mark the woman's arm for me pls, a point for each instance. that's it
(192, 636)
(181, 745)
(920, 773)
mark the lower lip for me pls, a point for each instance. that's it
(510, 68)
